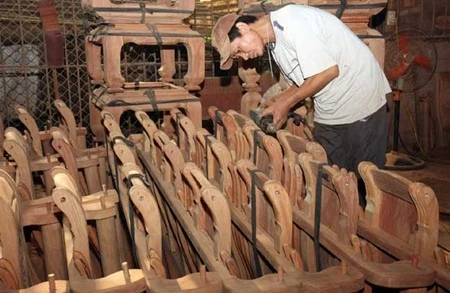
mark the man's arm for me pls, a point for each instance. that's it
(291, 96)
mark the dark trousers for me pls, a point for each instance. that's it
(349, 144)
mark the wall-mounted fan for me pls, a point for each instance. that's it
(410, 64)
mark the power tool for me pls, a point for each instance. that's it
(266, 122)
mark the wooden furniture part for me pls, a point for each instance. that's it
(60, 286)
(160, 11)
(185, 132)
(12, 240)
(228, 131)
(292, 180)
(338, 203)
(402, 219)
(32, 131)
(213, 247)
(40, 140)
(439, 107)
(88, 168)
(268, 283)
(4, 163)
(354, 10)
(109, 40)
(123, 150)
(28, 162)
(148, 233)
(2, 130)
(76, 134)
(148, 130)
(216, 172)
(162, 98)
(77, 210)
(266, 151)
(252, 96)
(293, 176)
(293, 145)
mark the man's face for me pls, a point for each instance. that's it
(248, 46)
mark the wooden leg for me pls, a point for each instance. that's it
(194, 112)
(108, 245)
(55, 258)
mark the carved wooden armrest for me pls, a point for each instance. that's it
(277, 197)
(149, 128)
(31, 126)
(185, 131)
(76, 135)
(217, 205)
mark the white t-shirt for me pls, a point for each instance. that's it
(309, 41)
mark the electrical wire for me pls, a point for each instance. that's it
(417, 138)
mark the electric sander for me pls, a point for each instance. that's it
(266, 122)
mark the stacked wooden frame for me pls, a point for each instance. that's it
(158, 23)
(62, 210)
(190, 176)
(147, 223)
(374, 240)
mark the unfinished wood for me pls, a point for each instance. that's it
(385, 189)
(75, 227)
(213, 157)
(338, 232)
(91, 161)
(110, 40)
(185, 132)
(294, 145)
(106, 227)
(60, 286)
(391, 200)
(217, 205)
(27, 161)
(269, 283)
(160, 11)
(13, 274)
(356, 10)
(268, 151)
(252, 97)
(137, 192)
(2, 130)
(76, 134)
(149, 128)
(230, 133)
(148, 236)
(32, 128)
(130, 280)
(77, 244)
(203, 182)
(166, 98)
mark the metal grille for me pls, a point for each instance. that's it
(26, 79)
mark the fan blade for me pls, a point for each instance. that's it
(399, 71)
(403, 44)
(422, 60)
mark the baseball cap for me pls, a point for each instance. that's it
(221, 41)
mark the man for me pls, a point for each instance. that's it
(323, 59)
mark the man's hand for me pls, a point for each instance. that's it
(279, 110)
